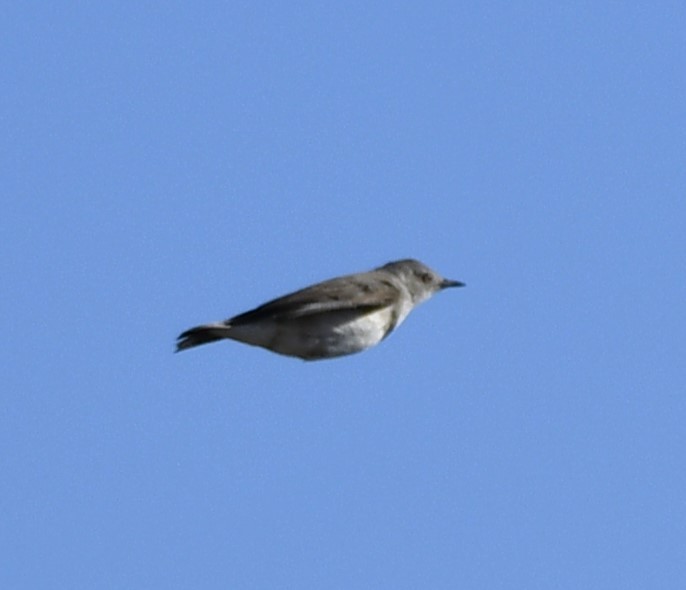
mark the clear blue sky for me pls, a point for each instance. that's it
(167, 165)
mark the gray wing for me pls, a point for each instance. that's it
(364, 293)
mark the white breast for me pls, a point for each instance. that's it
(323, 335)
(365, 331)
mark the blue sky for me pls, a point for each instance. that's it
(165, 166)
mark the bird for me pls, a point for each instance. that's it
(334, 318)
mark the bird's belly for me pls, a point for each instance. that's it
(319, 336)
(355, 335)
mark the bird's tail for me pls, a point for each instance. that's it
(201, 335)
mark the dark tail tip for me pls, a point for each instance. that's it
(198, 336)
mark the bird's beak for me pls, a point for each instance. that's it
(445, 283)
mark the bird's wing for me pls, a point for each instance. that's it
(340, 294)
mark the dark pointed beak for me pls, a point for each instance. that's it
(445, 283)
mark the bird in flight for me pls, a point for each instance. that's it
(334, 318)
